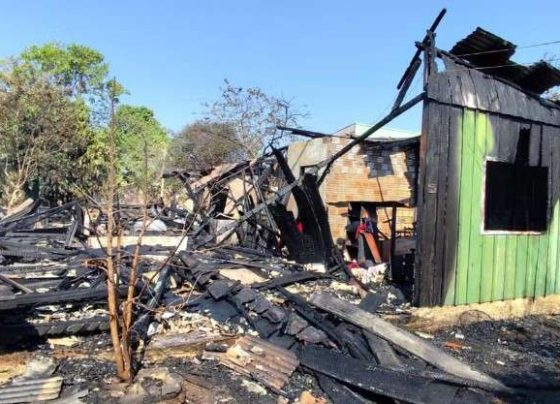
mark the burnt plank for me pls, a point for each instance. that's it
(452, 208)
(339, 393)
(383, 352)
(427, 211)
(535, 145)
(507, 134)
(468, 92)
(378, 380)
(482, 90)
(402, 338)
(441, 205)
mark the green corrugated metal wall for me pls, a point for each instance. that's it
(498, 267)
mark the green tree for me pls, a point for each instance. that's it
(79, 70)
(43, 134)
(63, 92)
(203, 144)
(141, 144)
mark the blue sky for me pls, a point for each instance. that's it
(339, 59)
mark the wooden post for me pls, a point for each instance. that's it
(393, 238)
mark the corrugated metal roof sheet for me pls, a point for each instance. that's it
(31, 391)
(492, 55)
(482, 48)
(540, 77)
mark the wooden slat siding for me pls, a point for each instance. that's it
(494, 101)
(453, 201)
(535, 145)
(505, 101)
(499, 240)
(465, 214)
(521, 266)
(551, 142)
(511, 265)
(512, 102)
(421, 269)
(535, 159)
(498, 283)
(429, 211)
(522, 240)
(532, 264)
(455, 81)
(437, 85)
(480, 92)
(442, 198)
(468, 93)
(549, 146)
(511, 257)
(509, 135)
(475, 244)
(554, 254)
(548, 242)
(488, 265)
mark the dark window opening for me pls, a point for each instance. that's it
(516, 197)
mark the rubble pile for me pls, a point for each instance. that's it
(231, 285)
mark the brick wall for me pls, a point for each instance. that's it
(370, 173)
(367, 173)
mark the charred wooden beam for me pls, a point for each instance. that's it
(82, 296)
(406, 84)
(404, 339)
(376, 379)
(302, 132)
(416, 56)
(286, 280)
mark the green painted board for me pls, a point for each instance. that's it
(521, 266)
(493, 267)
(554, 261)
(554, 245)
(499, 267)
(542, 263)
(488, 240)
(509, 275)
(487, 274)
(532, 264)
(476, 241)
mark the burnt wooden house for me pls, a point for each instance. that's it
(489, 176)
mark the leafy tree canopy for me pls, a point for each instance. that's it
(43, 135)
(79, 70)
(141, 144)
(205, 144)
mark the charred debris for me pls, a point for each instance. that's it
(236, 276)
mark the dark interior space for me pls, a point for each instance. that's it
(516, 197)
